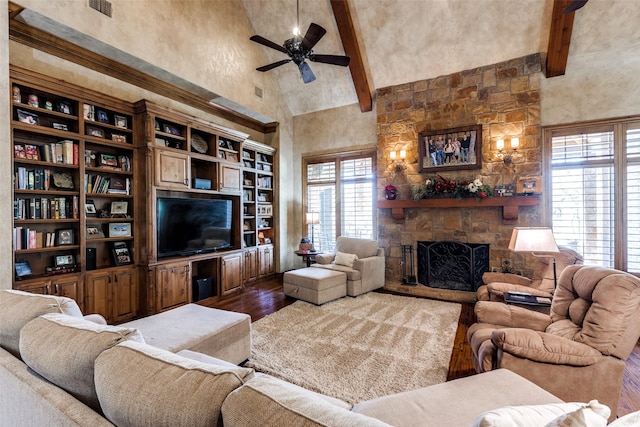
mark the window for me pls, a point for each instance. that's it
(595, 192)
(341, 189)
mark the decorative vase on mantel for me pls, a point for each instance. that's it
(390, 192)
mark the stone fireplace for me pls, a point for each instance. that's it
(504, 98)
(452, 265)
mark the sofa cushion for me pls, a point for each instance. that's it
(183, 392)
(265, 401)
(542, 415)
(17, 308)
(352, 275)
(592, 414)
(345, 259)
(363, 248)
(63, 349)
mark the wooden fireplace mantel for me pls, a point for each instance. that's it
(510, 205)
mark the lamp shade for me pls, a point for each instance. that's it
(533, 239)
(313, 218)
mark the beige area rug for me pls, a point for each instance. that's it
(358, 348)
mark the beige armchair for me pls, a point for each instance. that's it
(540, 284)
(578, 351)
(367, 271)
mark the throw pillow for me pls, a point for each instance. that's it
(345, 259)
(63, 349)
(593, 414)
(183, 392)
(524, 416)
(629, 420)
(17, 308)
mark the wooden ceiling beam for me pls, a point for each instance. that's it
(347, 32)
(559, 39)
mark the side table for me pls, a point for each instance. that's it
(307, 256)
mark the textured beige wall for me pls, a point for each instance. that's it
(338, 129)
(221, 59)
(6, 208)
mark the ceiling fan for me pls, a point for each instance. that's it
(300, 49)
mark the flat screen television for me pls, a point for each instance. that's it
(191, 226)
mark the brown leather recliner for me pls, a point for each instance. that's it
(541, 283)
(578, 351)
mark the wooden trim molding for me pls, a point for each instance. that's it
(36, 38)
(510, 205)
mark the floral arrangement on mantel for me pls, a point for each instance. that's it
(442, 187)
(390, 192)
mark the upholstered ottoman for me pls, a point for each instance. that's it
(218, 333)
(315, 285)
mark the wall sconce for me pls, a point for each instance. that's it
(399, 165)
(507, 155)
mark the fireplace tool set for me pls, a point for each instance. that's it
(408, 278)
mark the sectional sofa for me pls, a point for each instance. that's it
(58, 368)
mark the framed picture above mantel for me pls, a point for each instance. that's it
(450, 149)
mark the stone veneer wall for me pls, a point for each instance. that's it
(505, 99)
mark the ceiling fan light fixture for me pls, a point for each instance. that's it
(306, 73)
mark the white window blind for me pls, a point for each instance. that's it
(588, 167)
(633, 199)
(345, 203)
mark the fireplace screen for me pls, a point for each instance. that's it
(452, 265)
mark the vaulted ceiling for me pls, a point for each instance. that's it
(402, 41)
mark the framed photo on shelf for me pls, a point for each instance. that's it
(120, 121)
(94, 232)
(102, 116)
(63, 107)
(232, 157)
(248, 164)
(27, 117)
(437, 149)
(118, 138)
(222, 155)
(23, 269)
(90, 210)
(65, 237)
(120, 254)
(97, 132)
(108, 160)
(63, 260)
(119, 209)
(59, 126)
(89, 112)
(246, 155)
(266, 168)
(529, 185)
(120, 229)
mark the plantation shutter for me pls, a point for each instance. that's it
(590, 168)
(583, 185)
(633, 198)
(354, 215)
(357, 198)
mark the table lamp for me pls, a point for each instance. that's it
(313, 218)
(535, 239)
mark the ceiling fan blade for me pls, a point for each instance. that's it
(331, 59)
(575, 5)
(268, 43)
(306, 73)
(313, 36)
(274, 65)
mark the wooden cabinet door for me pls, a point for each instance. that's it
(41, 287)
(229, 178)
(250, 265)
(174, 285)
(172, 169)
(98, 294)
(265, 259)
(70, 287)
(125, 295)
(230, 273)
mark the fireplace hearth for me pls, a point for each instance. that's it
(452, 265)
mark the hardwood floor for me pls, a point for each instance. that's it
(266, 297)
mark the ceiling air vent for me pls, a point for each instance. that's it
(102, 6)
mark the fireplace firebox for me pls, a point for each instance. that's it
(452, 265)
